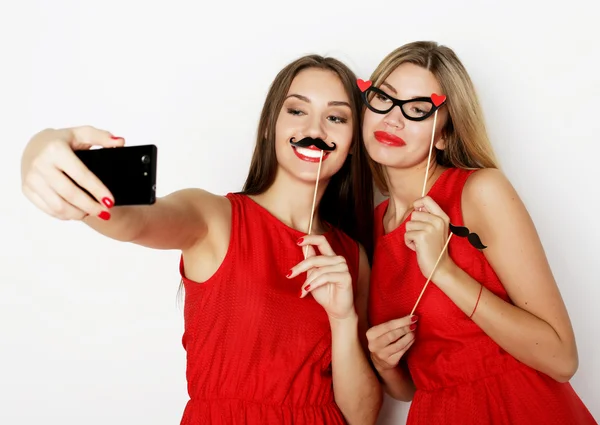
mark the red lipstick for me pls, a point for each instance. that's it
(388, 139)
(311, 158)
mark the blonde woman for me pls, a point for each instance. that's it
(491, 341)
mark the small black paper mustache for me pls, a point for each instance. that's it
(309, 141)
(464, 232)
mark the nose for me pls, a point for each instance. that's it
(394, 118)
(315, 129)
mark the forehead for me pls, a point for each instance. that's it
(319, 85)
(412, 80)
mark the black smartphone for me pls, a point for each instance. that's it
(129, 172)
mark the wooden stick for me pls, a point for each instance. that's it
(429, 278)
(312, 210)
(430, 150)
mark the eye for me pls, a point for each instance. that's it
(382, 97)
(337, 120)
(296, 112)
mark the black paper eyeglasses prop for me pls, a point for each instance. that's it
(418, 109)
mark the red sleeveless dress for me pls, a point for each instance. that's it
(462, 376)
(256, 352)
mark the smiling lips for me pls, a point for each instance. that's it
(309, 154)
(388, 139)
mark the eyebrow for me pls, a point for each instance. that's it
(396, 93)
(390, 87)
(307, 100)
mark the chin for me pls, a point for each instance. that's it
(306, 172)
(381, 154)
(310, 175)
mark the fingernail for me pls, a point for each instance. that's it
(104, 215)
(307, 288)
(413, 327)
(288, 274)
(116, 138)
(413, 319)
(108, 202)
(301, 292)
(300, 241)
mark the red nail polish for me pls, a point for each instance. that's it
(300, 241)
(104, 215)
(116, 138)
(413, 319)
(307, 288)
(413, 327)
(288, 274)
(108, 202)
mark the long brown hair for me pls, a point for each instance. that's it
(467, 143)
(348, 200)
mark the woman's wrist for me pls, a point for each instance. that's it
(348, 322)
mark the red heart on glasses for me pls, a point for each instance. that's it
(438, 99)
(363, 85)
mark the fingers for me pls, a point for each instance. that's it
(52, 172)
(316, 261)
(377, 331)
(421, 224)
(388, 348)
(46, 198)
(336, 273)
(53, 192)
(394, 359)
(427, 218)
(319, 241)
(327, 278)
(91, 136)
(66, 161)
(427, 204)
(76, 197)
(399, 345)
(58, 155)
(412, 237)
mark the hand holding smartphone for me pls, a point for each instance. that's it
(65, 179)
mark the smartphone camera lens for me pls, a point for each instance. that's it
(145, 159)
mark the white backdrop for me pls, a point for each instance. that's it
(90, 330)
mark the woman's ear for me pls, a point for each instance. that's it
(441, 144)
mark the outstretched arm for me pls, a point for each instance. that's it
(177, 221)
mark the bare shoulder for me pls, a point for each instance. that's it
(492, 208)
(207, 207)
(206, 214)
(486, 186)
(489, 197)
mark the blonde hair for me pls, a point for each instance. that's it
(467, 143)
